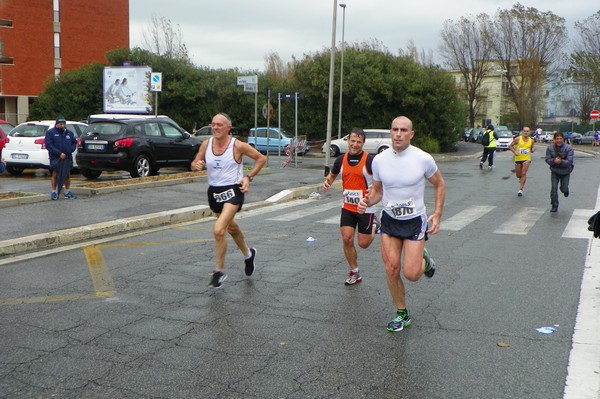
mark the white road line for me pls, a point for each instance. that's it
(583, 372)
(463, 218)
(577, 226)
(288, 217)
(272, 208)
(332, 220)
(521, 222)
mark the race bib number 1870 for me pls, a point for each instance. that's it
(403, 208)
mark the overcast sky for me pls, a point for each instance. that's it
(234, 33)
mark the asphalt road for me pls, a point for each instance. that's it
(135, 318)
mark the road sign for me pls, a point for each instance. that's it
(250, 87)
(156, 81)
(271, 111)
(594, 114)
(242, 80)
(287, 97)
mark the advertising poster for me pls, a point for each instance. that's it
(126, 90)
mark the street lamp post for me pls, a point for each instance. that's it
(330, 98)
(502, 72)
(342, 68)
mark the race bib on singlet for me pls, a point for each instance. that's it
(523, 151)
(224, 196)
(352, 197)
(403, 208)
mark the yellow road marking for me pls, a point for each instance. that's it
(104, 286)
(101, 278)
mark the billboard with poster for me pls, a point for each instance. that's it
(126, 90)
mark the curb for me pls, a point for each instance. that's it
(26, 198)
(142, 222)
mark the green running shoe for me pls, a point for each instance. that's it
(401, 320)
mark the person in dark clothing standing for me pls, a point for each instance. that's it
(60, 143)
(560, 158)
(489, 147)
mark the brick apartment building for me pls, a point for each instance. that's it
(39, 39)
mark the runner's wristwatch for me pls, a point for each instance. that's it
(250, 177)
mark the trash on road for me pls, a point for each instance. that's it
(547, 330)
(311, 239)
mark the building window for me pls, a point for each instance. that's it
(4, 59)
(6, 23)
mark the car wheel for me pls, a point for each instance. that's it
(90, 174)
(381, 149)
(14, 170)
(141, 167)
(334, 151)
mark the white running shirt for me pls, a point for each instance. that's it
(403, 176)
(223, 169)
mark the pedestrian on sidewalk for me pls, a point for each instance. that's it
(222, 156)
(60, 143)
(488, 141)
(522, 147)
(399, 177)
(357, 176)
(560, 158)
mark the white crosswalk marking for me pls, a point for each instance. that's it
(578, 225)
(272, 208)
(521, 222)
(463, 218)
(288, 217)
(331, 220)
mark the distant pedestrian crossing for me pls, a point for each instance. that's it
(519, 222)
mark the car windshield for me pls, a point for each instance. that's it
(29, 131)
(109, 128)
(504, 133)
(6, 127)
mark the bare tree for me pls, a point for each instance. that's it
(162, 38)
(421, 57)
(584, 67)
(278, 69)
(465, 49)
(527, 43)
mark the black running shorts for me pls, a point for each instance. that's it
(414, 229)
(363, 221)
(219, 195)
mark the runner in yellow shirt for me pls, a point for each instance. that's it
(522, 147)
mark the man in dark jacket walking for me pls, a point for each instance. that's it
(61, 144)
(560, 158)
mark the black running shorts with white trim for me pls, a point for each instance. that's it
(363, 221)
(219, 195)
(414, 229)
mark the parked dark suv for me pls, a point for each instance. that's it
(138, 145)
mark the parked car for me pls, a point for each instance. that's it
(278, 140)
(5, 128)
(547, 137)
(25, 147)
(576, 138)
(376, 140)
(467, 134)
(138, 145)
(205, 132)
(505, 137)
(585, 138)
(475, 134)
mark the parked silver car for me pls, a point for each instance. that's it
(376, 140)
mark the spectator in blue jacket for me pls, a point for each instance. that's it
(60, 143)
